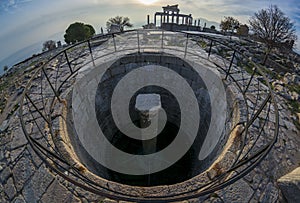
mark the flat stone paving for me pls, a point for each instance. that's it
(24, 178)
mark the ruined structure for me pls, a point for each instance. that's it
(75, 139)
(171, 19)
(65, 117)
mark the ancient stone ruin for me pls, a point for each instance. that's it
(150, 116)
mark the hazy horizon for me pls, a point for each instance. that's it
(28, 23)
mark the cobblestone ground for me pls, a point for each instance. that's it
(260, 185)
(24, 178)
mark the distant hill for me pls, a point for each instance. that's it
(27, 52)
(20, 55)
(208, 23)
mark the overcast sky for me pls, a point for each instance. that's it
(28, 22)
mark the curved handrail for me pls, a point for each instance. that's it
(55, 161)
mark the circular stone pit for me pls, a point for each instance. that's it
(89, 105)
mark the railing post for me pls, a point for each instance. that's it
(252, 75)
(90, 48)
(51, 86)
(68, 61)
(210, 46)
(138, 39)
(186, 44)
(230, 65)
(114, 42)
(36, 108)
(162, 39)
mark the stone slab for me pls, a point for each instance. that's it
(290, 185)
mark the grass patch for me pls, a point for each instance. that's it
(249, 69)
(203, 44)
(294, 88)
(295, 106)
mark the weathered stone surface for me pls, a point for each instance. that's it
(5, 174)
(88, 195)
(19, 139)
(212, 200)
(4, 126)
(270, 194)
(238, 192)
(106, 200)
(34, 157)
(37, 185)
(16, 153)
(10, 189)
(284, 155)
(58, 193)
(298, 114)
(22, 172)
(5, 138)
(19, 199)
(290, 185)
(1, 153)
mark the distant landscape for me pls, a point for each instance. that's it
(27, 52)
(29, 23)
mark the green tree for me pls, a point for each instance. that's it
(121, 21)
(49, 45)
(272, 27)
(91, 29)
(78, 32)
(229, 24)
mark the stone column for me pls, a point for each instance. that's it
(148, 106)
(173, 17)
(161, 20)
(190, 19)
(168, 16)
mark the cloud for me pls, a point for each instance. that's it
(6, 5)
(37, 20)
(11, 5)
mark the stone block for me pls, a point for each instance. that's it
(152, 58)
(58, 193)
(128, 59)
(19, 199)
(240, 191)
(10, 189)
(174, 67)
(290, 185)
(22, 171)
(117, 70)
(4, 175)
(139, 58)
(130, 66)
(168, 59)
(19, 139)
(188, 73)
(37, 185)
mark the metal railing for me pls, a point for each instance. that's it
(51, 83)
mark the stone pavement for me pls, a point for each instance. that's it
(24, 178)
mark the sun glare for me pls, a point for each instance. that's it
(148, 2)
